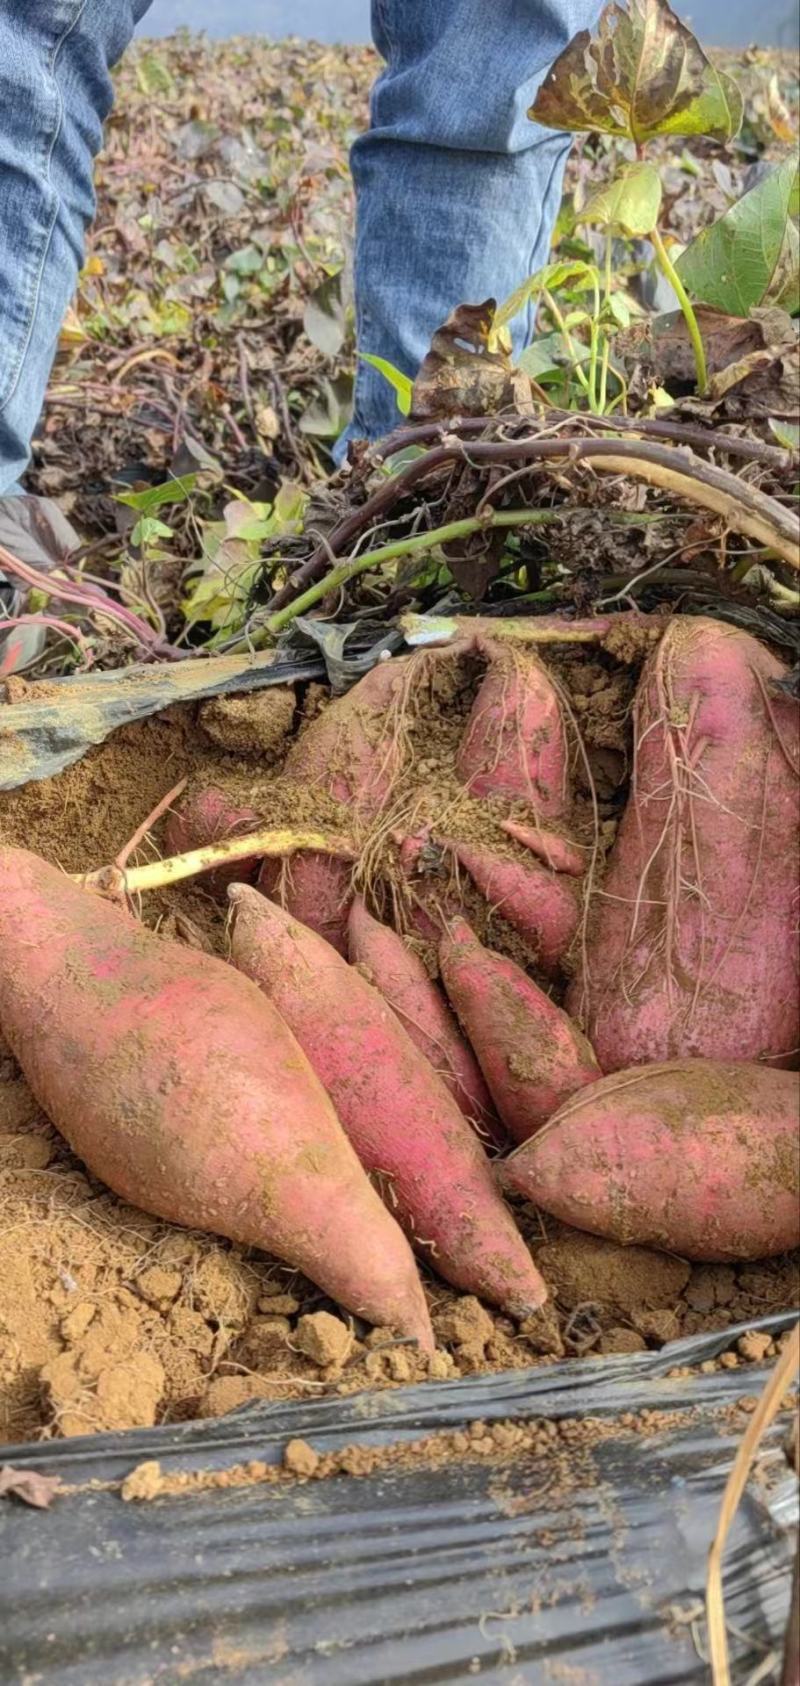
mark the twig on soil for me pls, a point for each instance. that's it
(113, 881)
(675, 469)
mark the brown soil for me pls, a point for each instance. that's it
(112, 1319)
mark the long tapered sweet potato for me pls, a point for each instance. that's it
(692, 946)
(400, 977)
(514, 743)
(699, 1157)
(531, 1054)
(179, 1085)
(402, 1121)
(551, 847)
(211, 816)
(540, 904)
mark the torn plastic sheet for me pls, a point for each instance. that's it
(62, 718)
(42, 735)
(480, 1568)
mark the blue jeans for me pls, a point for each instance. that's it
(456, 190)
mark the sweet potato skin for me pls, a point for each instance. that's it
(210, 816)
(514, 743)
(400, 1118)
(692, 946)
(540, 904)
(316, 890)
(698, 1157)
(400, 977)
(532, 1056)
(179, 1086)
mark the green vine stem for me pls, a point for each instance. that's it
(670, 273)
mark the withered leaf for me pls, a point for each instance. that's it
(462, 376)
(643, 74)
(29, 1486)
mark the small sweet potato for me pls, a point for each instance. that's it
(400, 976)
(699, 1157)
(540, 904)
(210, 816)
(514, 743)
(556, 851)
(179, 1085)
(692, 944)
(401, 1120)
(532, 1056)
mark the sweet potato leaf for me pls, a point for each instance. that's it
(630, 203)
(643, 74)
(751, 253)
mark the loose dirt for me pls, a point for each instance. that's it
(111, 1319)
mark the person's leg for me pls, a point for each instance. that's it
(55, 91)
(456, 190)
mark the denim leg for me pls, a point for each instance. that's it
(456, 190)
(55, 91)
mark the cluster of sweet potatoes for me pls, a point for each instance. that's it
(330, 1098)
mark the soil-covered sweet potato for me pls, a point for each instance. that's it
(401, 978)
(210, 816)
(404, 1125)
(531, 1054)
(179, 1085)
(698, 1157)
(514, 743)
(541, 905)
(692, 943)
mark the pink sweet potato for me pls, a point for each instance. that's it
(540, 904)
(514, 743)
(178, 1084)
(404, 1125)
(210, 816)
(316, 890)
(699, 1157)
(532, 1056)
(692, 948)
(352, 754)
(556, 851)
(400, 977)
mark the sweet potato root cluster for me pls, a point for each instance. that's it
(477, 1005)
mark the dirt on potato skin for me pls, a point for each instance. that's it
(112, 1319)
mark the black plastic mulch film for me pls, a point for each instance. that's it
(490, 1570)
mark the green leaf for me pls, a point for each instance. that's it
(171, 491)
(403, 387)
(631, 203)
(153, 76)
(643, 74)
(751, 253)
(542, 355)
(787, 433)
(551, 276)
(147, 528)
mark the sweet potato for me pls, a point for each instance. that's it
(400, 977)
(540, 904)
(532, 1056)
(316, 890)
(210, 816)
(692, 948)
(352, 754)
(514, 743)
(556, 851)
(178, 1084)
(699, 1157)
(402, 1122)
